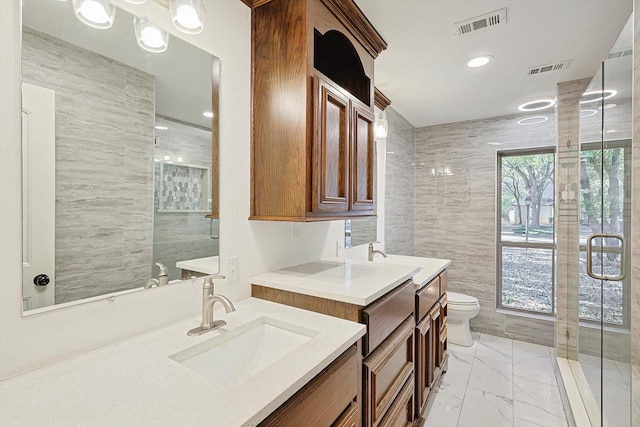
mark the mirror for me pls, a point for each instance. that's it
(360, 231)
(120, 165)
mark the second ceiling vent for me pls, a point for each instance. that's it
(491, 19)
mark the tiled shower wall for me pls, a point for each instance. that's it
(399, 185)
(180, 236)
(455, 215)
(104, 175)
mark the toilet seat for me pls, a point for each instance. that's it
(454, 298)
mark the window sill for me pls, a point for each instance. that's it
(528, 315)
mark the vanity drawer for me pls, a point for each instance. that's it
(443, 282)
(384, 316)
(443, 310)
(323, 400)
(386, 370)
(401, 414)
(426, 297)
(349, 417)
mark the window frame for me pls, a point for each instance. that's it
(500, 244)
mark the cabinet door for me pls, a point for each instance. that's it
(330, 155)
(385, 372)
(424, 362)
(434, 314)
(362, 153)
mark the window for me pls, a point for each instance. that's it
(526, 231)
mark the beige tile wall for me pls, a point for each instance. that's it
(455, 216)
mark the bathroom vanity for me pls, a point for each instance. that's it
(157, 378)
(399, 358)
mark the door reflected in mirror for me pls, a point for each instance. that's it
(100, 118)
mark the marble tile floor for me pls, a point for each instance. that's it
(497, 382)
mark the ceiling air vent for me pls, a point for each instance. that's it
(620, 53)
(541, 69)
(479, 22)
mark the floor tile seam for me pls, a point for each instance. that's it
(510, 365)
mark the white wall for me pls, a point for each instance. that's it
(30, 342)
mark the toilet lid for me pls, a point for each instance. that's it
(461, 299)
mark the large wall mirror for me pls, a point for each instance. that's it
(120, 168)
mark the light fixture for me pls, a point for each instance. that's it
(150, 37)
(95, 13)
(160, 127)
(532, 120)
(380, 127)
(188, 15)
(598, 95)
(208, 114)
(136, 1)
(537, 105)
(587, 113)
(478, 61)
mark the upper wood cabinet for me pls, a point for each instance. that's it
(313, 97)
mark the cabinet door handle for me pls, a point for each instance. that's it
(623, 255)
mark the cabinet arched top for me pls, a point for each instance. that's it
(337, 58)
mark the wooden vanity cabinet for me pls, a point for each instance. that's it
(431, 337)
(330, 399)
(388, 349)
(312, 114)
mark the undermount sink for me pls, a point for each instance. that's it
(239, 354)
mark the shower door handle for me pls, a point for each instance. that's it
(623, 254)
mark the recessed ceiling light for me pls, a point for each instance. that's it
(159, 127)
(537, 105)
(598, 95)
(608, 106)
(532, 120)
(208, 114)
(478, 61)
(588, 113)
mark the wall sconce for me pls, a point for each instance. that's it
(95, 13)
(150, 37)
(380, 127)
(188, 15)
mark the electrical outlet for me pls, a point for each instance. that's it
(339, 248)
(232, 269)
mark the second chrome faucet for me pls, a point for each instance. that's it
(209, 298)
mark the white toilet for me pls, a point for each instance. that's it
(460, 308)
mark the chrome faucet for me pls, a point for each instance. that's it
(163, 278)
(208, 300)
(372, 252)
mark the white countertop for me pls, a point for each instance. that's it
(429, 267)
(207, 265)
(345, 281)
(135, 383)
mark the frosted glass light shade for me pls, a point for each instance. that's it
(380, 128)
(95, 13)
(188, 15)
(150, 37)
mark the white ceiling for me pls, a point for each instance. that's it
(423, 71)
